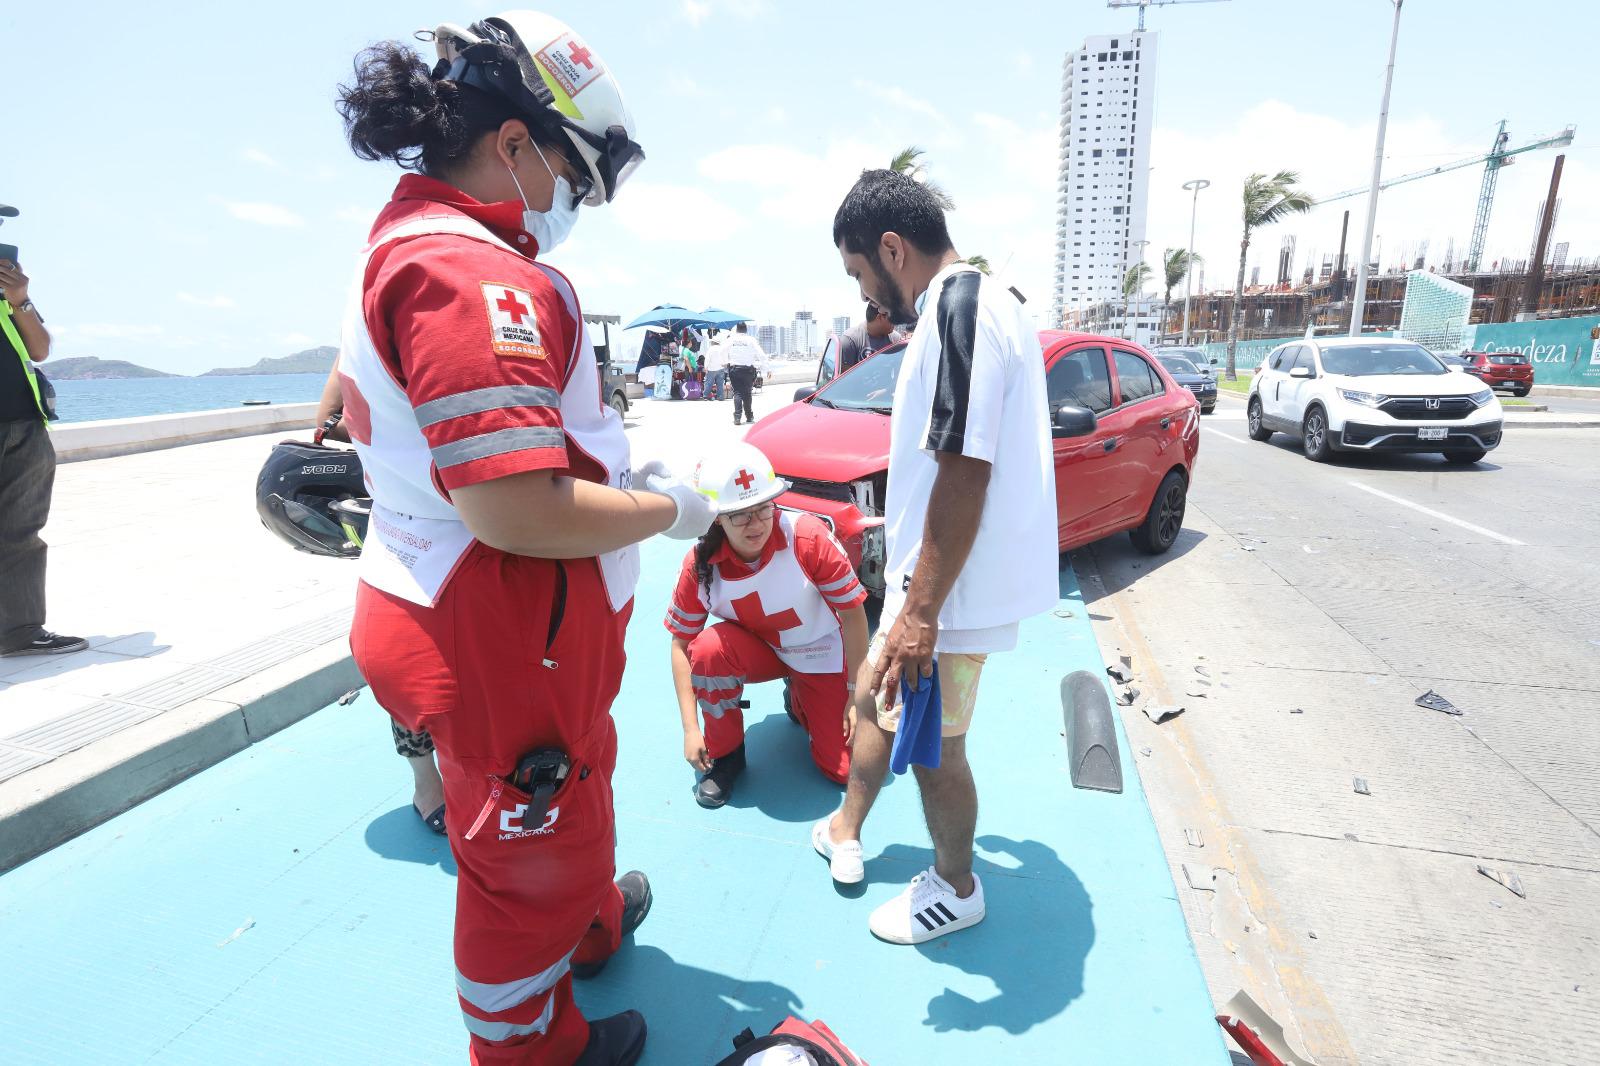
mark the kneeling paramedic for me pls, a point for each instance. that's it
(499, 566)
(791, 608)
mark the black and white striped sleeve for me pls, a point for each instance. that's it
(969, 385)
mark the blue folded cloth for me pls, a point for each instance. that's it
(921, 718)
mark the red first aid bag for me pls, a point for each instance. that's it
(792, 1043)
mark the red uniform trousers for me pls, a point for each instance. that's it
(727, 656)
(473, 671)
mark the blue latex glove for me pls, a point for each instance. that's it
(921, 716)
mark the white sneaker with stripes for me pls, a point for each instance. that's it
(927, 908)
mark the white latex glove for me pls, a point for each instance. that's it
(695, 512)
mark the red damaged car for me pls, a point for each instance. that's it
(1126, 439)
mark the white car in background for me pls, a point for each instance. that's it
(1372, 395)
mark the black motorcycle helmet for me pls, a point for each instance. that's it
(313, 497)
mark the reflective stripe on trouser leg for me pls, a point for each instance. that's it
(722, 660)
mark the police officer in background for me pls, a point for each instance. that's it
(745, 361)
(27, 472)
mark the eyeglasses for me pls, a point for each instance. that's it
(740, 519)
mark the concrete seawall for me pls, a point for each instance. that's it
(76, 441)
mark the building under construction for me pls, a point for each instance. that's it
(1282, 310)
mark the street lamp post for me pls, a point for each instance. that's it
(1358, 309)
(1188, 274)
(1133, 332)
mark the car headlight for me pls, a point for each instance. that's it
(1365, 399)
(1481, 399)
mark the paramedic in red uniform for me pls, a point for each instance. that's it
(500, 562)
(791, 607)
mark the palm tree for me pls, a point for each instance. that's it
(1175, 263)
(1266, 200)
(907, 161)
(1137, 277)
(981, 262)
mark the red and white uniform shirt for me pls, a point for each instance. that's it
(790, 597)
(461, 361)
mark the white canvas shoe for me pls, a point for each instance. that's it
(928, 908)
(844, 858)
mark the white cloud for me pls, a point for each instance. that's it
(297, 338)
(800, 189)
(680, 84)
(219, 301)
(675, 213)
(108, 330)
(898, 97)
(1332, 156)
(263, 214)
(363, 215)
(697, 11)
(256, 155)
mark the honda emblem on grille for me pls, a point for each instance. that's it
(1432, 403)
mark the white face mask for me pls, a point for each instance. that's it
(549, 228)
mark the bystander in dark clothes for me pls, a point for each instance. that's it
(27, 474)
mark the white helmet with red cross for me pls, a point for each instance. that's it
(738, 477)
(538, 63)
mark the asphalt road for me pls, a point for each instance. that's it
(1301, 612)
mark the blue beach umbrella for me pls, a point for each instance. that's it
(670, 316)
(722, 319)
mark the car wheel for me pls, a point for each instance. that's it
(1314, 439)
(619, 404)
(1164, 521)
(1524, 390)
(1465, 458)
(1254, 421)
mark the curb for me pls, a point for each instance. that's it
(57, 801)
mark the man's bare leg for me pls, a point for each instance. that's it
(950, 805)
(869, 766)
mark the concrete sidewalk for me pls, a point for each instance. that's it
(206, 632)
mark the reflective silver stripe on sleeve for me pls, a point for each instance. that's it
(500, 442)
(685, 616)
(717, 710)
(494, 998)
(838, 599)
(507, 1030)
(834, 586)
(494, 398)
(715, 684)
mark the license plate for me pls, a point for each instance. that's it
(1433, 433)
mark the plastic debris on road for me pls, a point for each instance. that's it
(1435, 702)
(1361, 787)
(1194, 838)
(1127, 696)
(1201, 878)
(349, 697)
(1119, 675)
(1159, 714)
(1506, 879)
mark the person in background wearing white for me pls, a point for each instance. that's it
(714, 358)
(745, 361)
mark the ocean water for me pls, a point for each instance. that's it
(85, 401)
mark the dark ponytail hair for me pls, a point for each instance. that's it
(704, 549)
(395, 109)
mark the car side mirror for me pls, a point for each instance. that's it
(1071, 421)
(1301, 372)
(1213, 362)
(804, 392)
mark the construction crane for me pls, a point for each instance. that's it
(1142, 4)
(1497, 157)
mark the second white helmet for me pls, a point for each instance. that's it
(737, 478)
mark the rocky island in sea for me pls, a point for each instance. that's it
(92, 368)
(311, 361)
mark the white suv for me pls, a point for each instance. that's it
(1372, 395)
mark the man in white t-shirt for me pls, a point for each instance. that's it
(746, 361)
(714, 359)
(970, 528)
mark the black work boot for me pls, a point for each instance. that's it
(636, 900)
(614, 1041)
(716, 787)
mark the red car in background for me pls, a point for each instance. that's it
(1126, 439)
(1501, 369)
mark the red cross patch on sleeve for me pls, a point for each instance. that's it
(513, 326)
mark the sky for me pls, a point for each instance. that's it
(189, 200)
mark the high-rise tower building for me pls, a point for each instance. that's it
(1107, 116)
